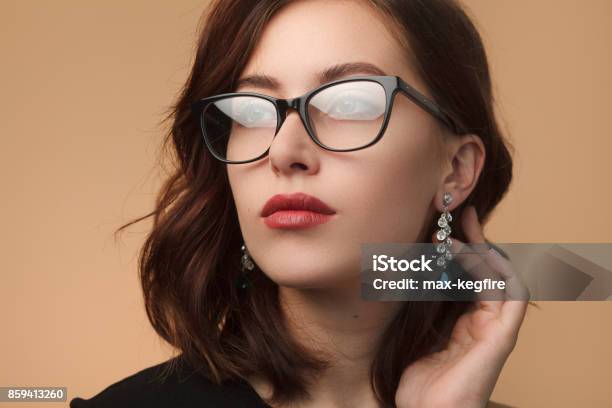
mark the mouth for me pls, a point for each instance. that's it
(295, 211)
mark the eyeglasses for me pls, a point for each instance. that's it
(341, 116)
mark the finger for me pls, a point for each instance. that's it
(513, 313)
(515, 287)
(480, 267)
(472, 227)
(474, 232)
(515, 307)
(489, 267)
(477, 245)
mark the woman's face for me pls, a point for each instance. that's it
(383, 193)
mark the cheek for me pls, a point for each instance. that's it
(400, 182)
(243, 188)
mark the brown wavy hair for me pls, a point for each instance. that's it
(190, 259)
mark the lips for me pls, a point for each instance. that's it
(298, 210)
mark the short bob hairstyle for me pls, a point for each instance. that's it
(190, 259)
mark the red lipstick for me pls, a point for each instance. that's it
(295, 211)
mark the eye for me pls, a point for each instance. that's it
(353, 101)
(346, 105)
(355, 105)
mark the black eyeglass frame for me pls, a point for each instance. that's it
(391, 84)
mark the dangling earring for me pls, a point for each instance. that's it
(247, 265)
(443, 247)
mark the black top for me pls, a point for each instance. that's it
(182, 388)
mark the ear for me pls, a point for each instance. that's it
(462, 164)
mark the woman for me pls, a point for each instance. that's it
(252, 268)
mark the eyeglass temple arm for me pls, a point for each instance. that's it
(429, 106)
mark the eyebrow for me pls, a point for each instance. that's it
(327, 75)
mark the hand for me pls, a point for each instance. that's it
(464, 374)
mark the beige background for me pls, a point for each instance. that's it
(83, 87)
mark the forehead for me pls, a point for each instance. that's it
(306, 37)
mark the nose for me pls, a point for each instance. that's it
(292, 151)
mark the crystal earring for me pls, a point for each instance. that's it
(247, 265)
(443, 247)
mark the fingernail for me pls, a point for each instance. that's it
(492, 250)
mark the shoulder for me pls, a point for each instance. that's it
(170, 384)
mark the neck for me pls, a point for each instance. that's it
(339, 325)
